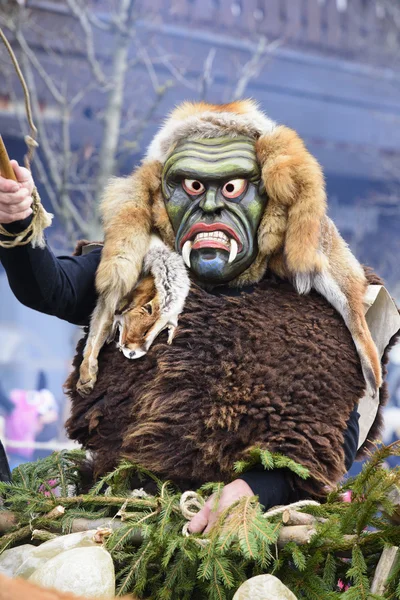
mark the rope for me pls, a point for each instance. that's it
(41, 219)
(29, 140)
(188, 501)
(281, 509)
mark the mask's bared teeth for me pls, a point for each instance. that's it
(234, 251)
(186, 250)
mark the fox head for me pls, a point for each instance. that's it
(136, 318)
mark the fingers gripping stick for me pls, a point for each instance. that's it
(33, 234)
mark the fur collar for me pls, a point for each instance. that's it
(193, 121)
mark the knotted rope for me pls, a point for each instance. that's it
(41, 219)
(188, 501)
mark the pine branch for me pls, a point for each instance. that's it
(305, 548)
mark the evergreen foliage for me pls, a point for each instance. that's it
(154, 559)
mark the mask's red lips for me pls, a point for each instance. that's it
(215, 235)
(211, 243)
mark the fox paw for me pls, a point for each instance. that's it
(84, 387)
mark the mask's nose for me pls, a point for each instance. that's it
(211, 203)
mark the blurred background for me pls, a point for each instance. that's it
(104, 73)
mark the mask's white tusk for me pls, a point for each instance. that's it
(186, 250)
(234, 251)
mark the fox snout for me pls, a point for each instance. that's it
(134, 329)
(132, 354)
(136, 319)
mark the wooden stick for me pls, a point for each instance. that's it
(82, 524)
(394, 497)
(383, 570)
(42, 535)
(6, 169)
(293, 517)
(301, 534)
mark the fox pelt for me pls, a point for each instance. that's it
(153, 304)
(156, 303)
(296, 239)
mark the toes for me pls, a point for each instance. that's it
(85, 387)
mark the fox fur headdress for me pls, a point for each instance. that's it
(292, 177)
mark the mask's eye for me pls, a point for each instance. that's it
(193, 187)
(234, 188)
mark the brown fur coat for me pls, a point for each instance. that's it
(269, 368)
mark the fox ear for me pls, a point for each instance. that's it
(295, 186)
(148, 308)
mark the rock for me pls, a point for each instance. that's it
(81, 571)
(264, 587)
(52, 548)
(12, 559)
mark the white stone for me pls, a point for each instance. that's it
(12, 559)
(47, 550)
(81, 571)
(264, 587)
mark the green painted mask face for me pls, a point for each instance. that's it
(215, 202)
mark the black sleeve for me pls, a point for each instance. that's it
(271, 487)
(351, 438)
(274, 488)
(5, 474)
(61, 286)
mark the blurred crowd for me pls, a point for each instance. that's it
(29, 422)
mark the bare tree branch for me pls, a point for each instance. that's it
(252, 67)
(177, 74)
(82, 15)
(206, 78)
(38, 66)
(150, 68)
(112, 118)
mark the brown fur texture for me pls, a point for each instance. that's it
(127, 219)
(295, 187)
(18, 589)
(270, 368)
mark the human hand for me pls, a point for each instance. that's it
(16, 196)
(204, 520)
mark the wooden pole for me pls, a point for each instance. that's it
(293, 517)
(383, 570)
(6, 169)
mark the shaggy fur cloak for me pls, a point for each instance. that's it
(269, 368)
